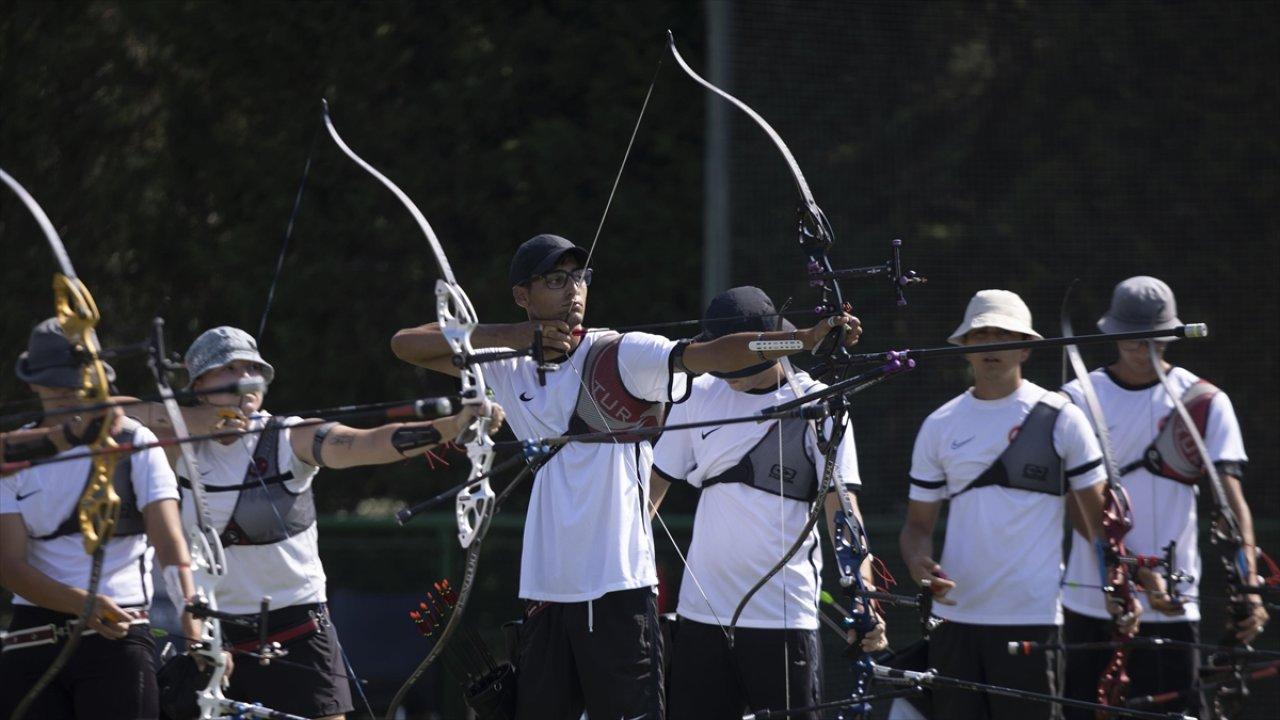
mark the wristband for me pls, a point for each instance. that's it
(91, 431)
(408, 438)
(70, 437)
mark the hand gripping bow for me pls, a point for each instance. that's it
(1117, 521)
(474, 505)
(99, 506)
(816, 237)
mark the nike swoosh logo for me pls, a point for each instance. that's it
(20, 498)
(962, 443)
(526, 399)
(705, 434)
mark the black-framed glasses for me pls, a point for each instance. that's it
(556, 279)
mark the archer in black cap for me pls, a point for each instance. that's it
(585, 495)
(741, 309)
(766, 470)
(541, 253)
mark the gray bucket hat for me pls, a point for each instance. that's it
(1140, 303)
(222, 346)
(49, 360)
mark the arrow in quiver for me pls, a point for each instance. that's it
(489, 687)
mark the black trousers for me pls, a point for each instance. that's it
(604, 656)
(312, 683)
(710, 680)
(104, 679)
(980, 653)
(1151, 670)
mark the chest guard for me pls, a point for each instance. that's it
(604, 403)
(266, 511)
(130, 521)
(1030, 462)
(796, 478)
(1172, 454)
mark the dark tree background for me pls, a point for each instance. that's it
(1009, 144)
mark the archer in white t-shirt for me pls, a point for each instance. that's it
(1160, 470)
(1005, 454)
(758, 483)
(110, 674)
(258, 490)
(587, 570)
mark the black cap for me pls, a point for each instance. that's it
(50, 360)
(539, 254)
(741, 309)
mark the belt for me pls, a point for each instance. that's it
(282, 636)
(53, 632)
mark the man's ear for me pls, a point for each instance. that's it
(520, 294)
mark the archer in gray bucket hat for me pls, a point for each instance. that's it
(1155, 409)
(1141, 303)
(221, 346)
(49, 359)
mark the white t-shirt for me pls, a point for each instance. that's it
(1003, 546)
(587, 532)
(1163, 509)
(740, 532)
(289, 571)
(45, 495)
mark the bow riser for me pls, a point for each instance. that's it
(457, 317)
(1117, 521)
(98, 507)
(474, 502)
(851, 551)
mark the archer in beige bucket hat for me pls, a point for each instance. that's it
(995, 308)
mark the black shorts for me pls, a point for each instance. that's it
(980, 653)
(320, 687)
(604, 656)
(711, 680)
(104, 679)
(1151, 670)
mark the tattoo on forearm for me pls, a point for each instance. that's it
(317, 442)
(409, 438)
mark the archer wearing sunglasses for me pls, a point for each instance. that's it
(587, 570)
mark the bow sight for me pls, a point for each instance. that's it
(890, 269)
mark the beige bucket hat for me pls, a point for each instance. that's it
(995, 308)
